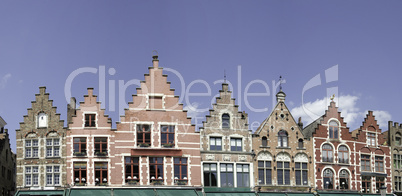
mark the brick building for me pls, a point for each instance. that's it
(283, 157)
(41, 147)
(394, 136)
(226, 148)
(7, 162)
(155, 143)
(347, 161)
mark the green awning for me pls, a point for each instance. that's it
(300, 194)
(339, 193)
(86, 192)
(272, 194)
(176, 192)
(40, 192)
(133, 192)
(230, 194)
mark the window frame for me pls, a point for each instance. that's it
(129, 176)
(165, 135)
(344, 176)
(32, 148)
(90, 120)
(333, 130)
(145, 133)
(303, 173)
(225, 121)
(42, 114)
(98, 146)
(379, 163)
(157, 161)
(82, 169)
(365, 162)
(242, 175)
(236, 147)
(366, 183)
(265, 168)
(102, 171)
(216, 146)
(264, 141)
(327, 154)
(371, 138)
(343, 154)
(80, 145)
(284, 171)
(53, 174)
(52, 147)
(226, 175)
(209, 172)
(283, 139)
(182, 166)
(33, 173)
(330, 179)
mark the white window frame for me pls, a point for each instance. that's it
(52, 172)
(30, 147)
(52, 147)
(33, 173)
(42, 114)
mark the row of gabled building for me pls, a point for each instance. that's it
(155, 145)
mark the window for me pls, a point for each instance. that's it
(227, 179)
(215, 143)
(398, 183)
(31, 149)
(226, 121)
(243, 176)
(264, 141)
(327, 153)
(282, 139)
(167, 135)
(371, 139)
(210, 174)
(379, 182)
(31, 176)
(144, 135)
(42, 120)
(301, 173)
(344, 179)
(52, 175)
(328, 179)
(235, 144)
(80, 146)
(343, 154)
(132, 170)
(53, 147)
(101, 173)
(398, 139)
(180, 169)
(333, 130)
(80, 173)
(379, 164)
(365, 163)
(264, 172)
(90, 120)
(283, 171)
(366, 184)
(156, 169)
(100, 145)
(397, 161)
(300, 143)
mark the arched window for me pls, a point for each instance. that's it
(328, 179)
(398, 139)
(344, 179)
(225, 121)
(333, 129)
(327, 153)
(42, 120)
(343, 154)
(300, 144)
(264, 141)
(282, 138)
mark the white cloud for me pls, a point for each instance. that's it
(4, 80)
(347, 105)
(382, 118)
(196, 115)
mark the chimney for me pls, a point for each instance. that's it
(71, 110)
(155, 61)
(300, 123)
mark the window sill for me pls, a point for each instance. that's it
(279, 147)
(58, 157)
(90, 127)
(31, 158)
(265, 146)
(300, 148)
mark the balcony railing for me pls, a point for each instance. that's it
(340, 160)
(328, 159)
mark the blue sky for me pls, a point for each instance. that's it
(43, 42)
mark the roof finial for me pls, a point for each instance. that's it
(224, 75)
(332, 97)
(280, 82)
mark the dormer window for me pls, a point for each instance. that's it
(225, 121)
(282, 139)
(42, 120)
(333, 130)
(90, 120)
(264, 141)
(371, 139)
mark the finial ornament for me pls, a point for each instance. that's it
(280, 82)
(224, 75)
(332, 97)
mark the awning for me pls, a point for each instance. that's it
(300, 194)
(272, 194)
(86, 192)
(340, 193)
(40, 192)
(133, 192)
(230, 194)
(373, 174)
(176, 192)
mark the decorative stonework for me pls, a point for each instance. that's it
(264, 156)
(283, 157)
(210, 157)
(242, 158)
(226, 157)
(301, 158)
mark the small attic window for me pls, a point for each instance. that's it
(42, 120)
(225, 121)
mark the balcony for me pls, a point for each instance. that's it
(328, 159)
(80, 154)
(101, 154)
(345, 161)
(178, 181)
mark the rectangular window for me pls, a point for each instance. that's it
(180, 170)
(90, 120)
(80, 146)
(227, 175)
(210, 174)
(132, 166)
(243, 176)
(80, 173)
(379, 182)
(365, 163)
(144, 135)
(101, 146)
(235, 144)
(283, 171)
(31, 149)
(167, 135)
(101, 173)
(215, 143)
(156, 170)
(264, 172)
(371, 139)
(52, 175)
(301, 173)
(379, 164)
(366, 184)
(31, 176)
(52, 147)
